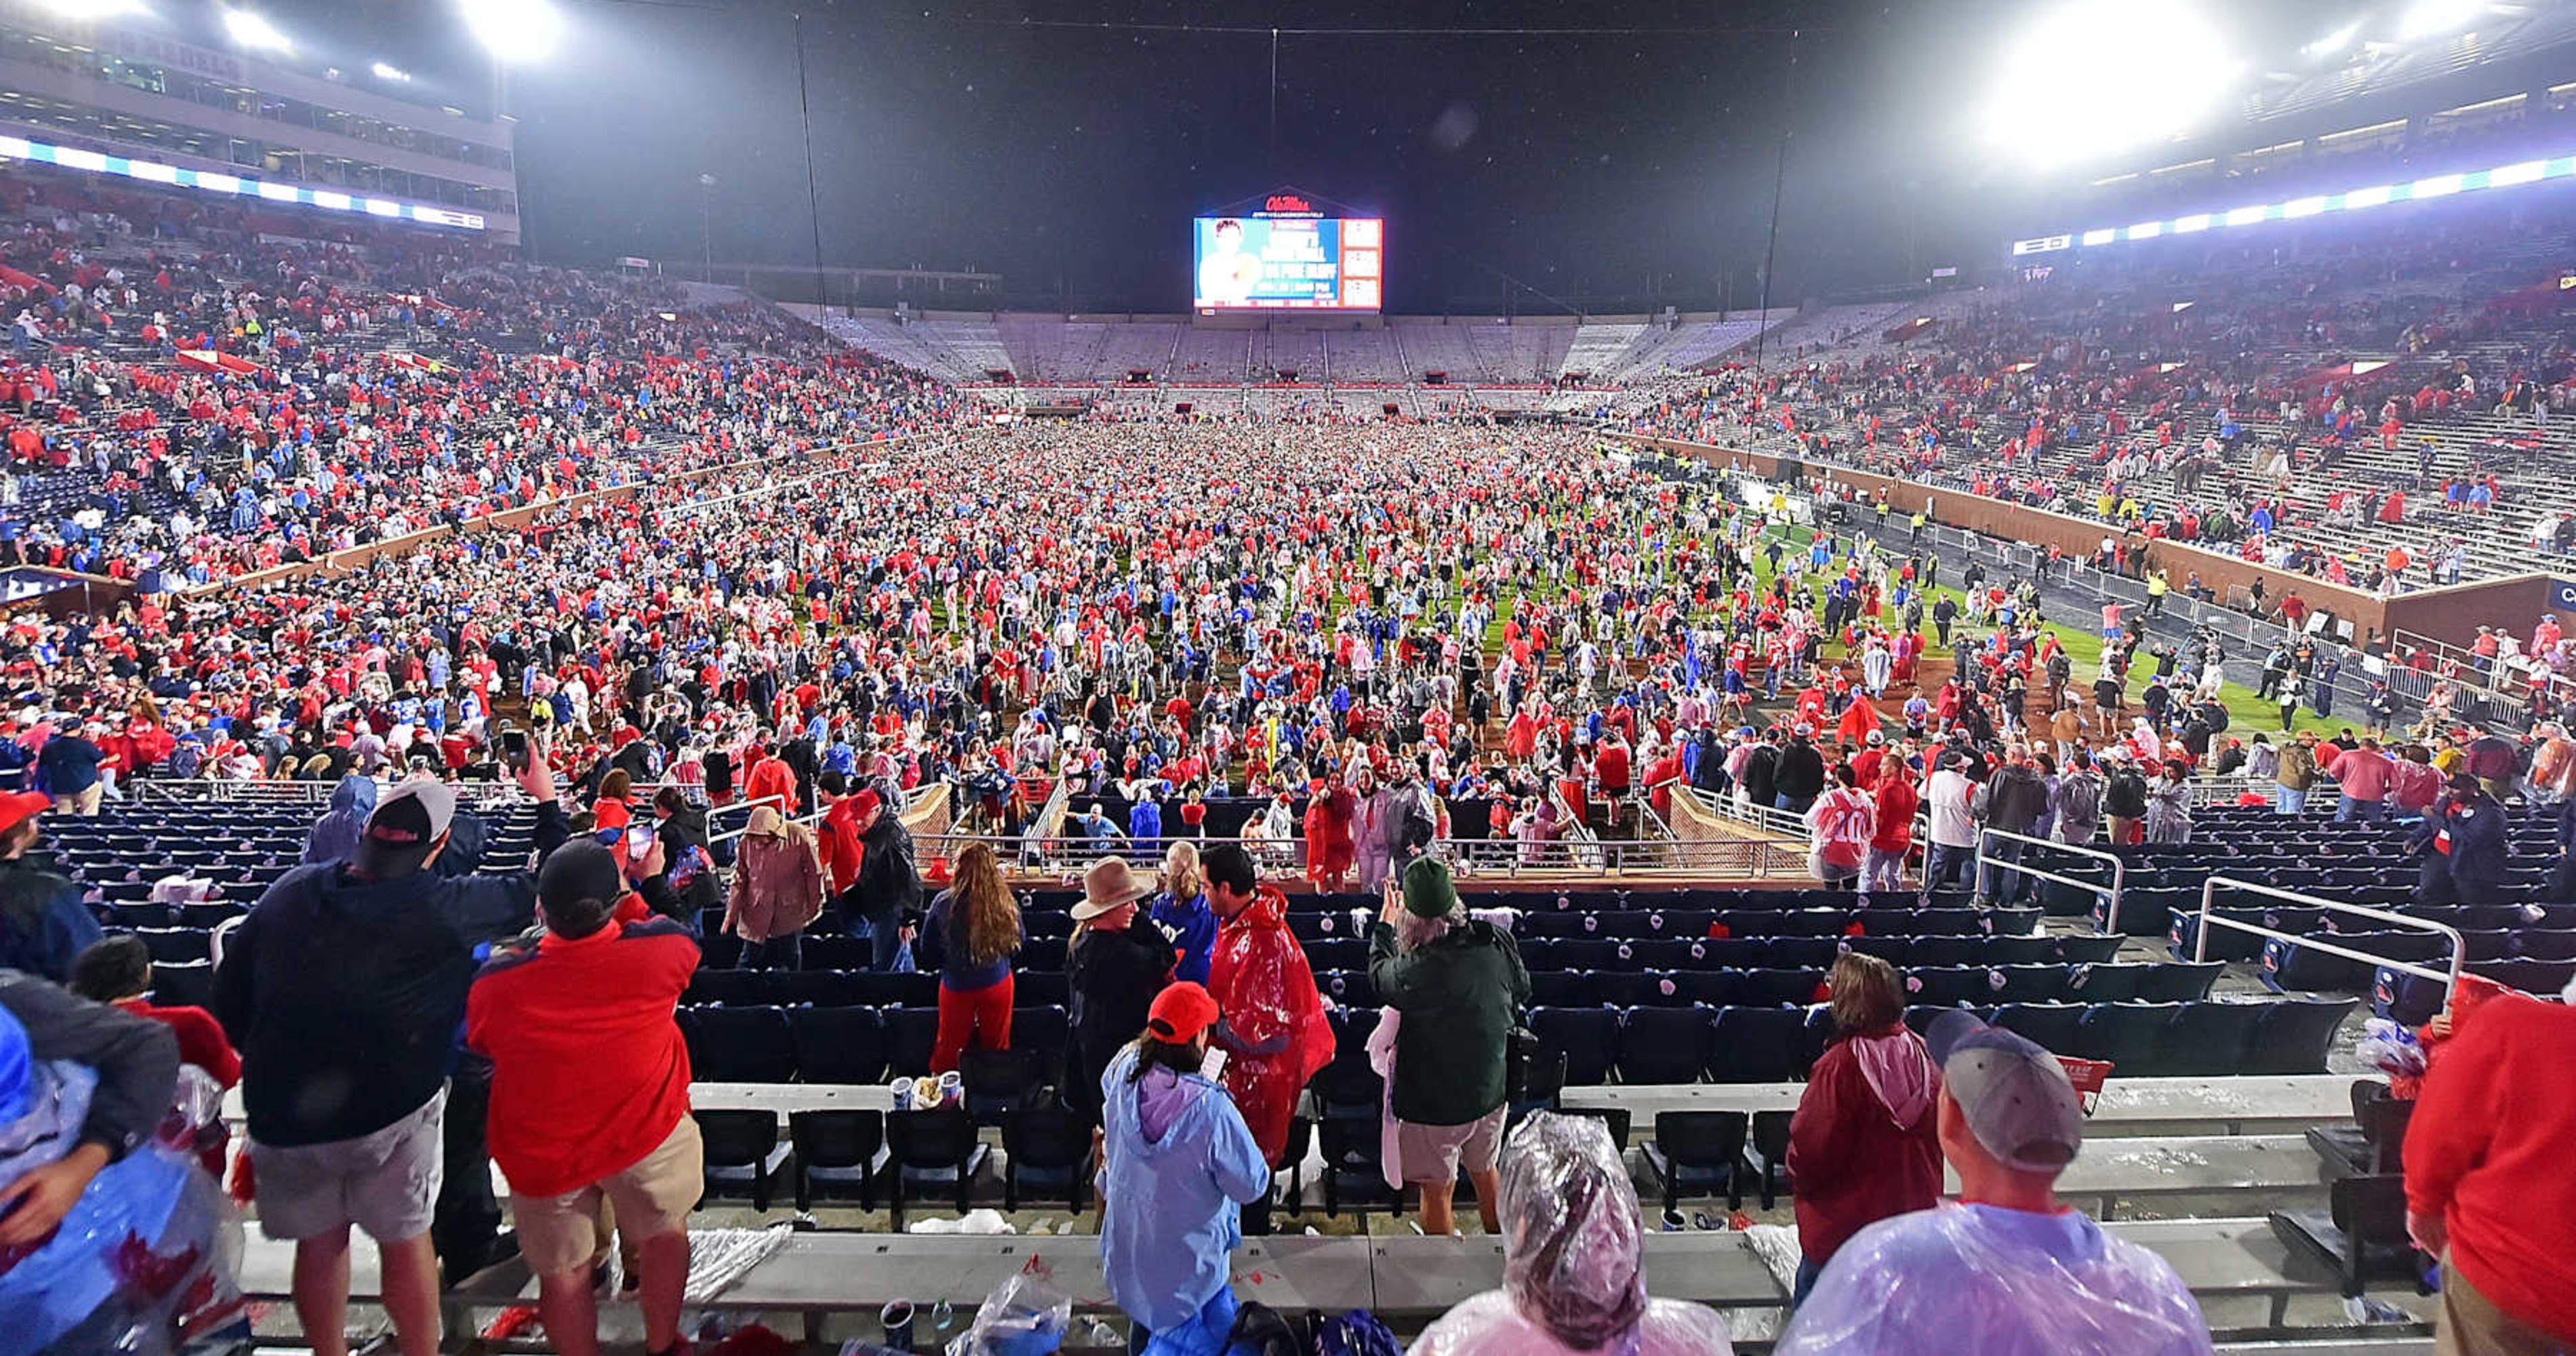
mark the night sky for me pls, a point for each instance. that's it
(1585, 168)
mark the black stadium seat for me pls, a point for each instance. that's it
(2124, 1034)
(2207, 1038)
(1588, 1036)
(838, 1045)
(2051, 1026)
(739, 1045)
(910, 1035)
(2292, 1036)
(1663, 1045)
(1702, 1151)
(1758, 1045)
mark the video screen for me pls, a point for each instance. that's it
(1256, 263)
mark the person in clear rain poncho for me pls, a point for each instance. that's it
(1574, 1281)
(2007, 1271)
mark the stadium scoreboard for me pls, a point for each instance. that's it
(1287, 257)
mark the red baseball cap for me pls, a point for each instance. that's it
(869, 802)
(1180, 1012)
(17, 807)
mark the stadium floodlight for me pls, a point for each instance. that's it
(2433, 18)
(90, 11)
(2095, 77)
(247, 29)
(514, 30)
(386, 70)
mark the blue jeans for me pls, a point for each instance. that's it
(2000, 886)
(2348, 811)
(1946, 866)
(1796, 805)
(1808, 1270)
(887, 952)
(2289, 801)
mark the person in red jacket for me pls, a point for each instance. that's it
(590, 1094)
(1864, 1144)
(838, 835)
(1894, 837)
(1275, 1033)
(117, 971)
(769, 777)
(2487, 1186)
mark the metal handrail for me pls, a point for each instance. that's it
(2111, 897)
(1748, 857)
(729, 835)
(2209, 919)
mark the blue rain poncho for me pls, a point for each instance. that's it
(1180, 1159)
(144, 1261)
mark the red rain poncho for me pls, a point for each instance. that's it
(1265, 989)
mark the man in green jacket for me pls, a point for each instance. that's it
(1459, 985)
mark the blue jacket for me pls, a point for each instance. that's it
(44, 926)
(1172, 1212)
(68, 765)
(1191, 925)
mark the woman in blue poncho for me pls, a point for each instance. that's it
(1177, 1165)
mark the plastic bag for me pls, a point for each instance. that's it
(145, 1261)
(2391, 1047)
(1573, 1261)
(1026, 1317)
(1999, 1283)
(1573, 1258)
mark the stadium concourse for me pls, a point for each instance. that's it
(418, 587)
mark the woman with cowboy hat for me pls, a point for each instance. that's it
(1115, 964)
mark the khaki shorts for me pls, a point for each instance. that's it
(385, 1183)
(1434, 1153)
(560, 1234)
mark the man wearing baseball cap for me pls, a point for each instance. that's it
(2007, 1271)
(344, 990)
(590, 1091)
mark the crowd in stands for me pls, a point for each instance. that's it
(2354, 402)
(226, 402)
(856, 596)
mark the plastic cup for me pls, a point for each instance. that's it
(896, 1319)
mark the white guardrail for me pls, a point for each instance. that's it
(2209, 918)
(2108, 894)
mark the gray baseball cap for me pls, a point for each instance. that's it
(2015, 1096)
(413, 814)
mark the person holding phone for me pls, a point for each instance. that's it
(343, 990)
(1459, 984)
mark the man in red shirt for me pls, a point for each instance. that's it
(590, 1094)
(2487, 1188)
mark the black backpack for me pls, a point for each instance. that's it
(2126, 797)
(1260, 1330)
